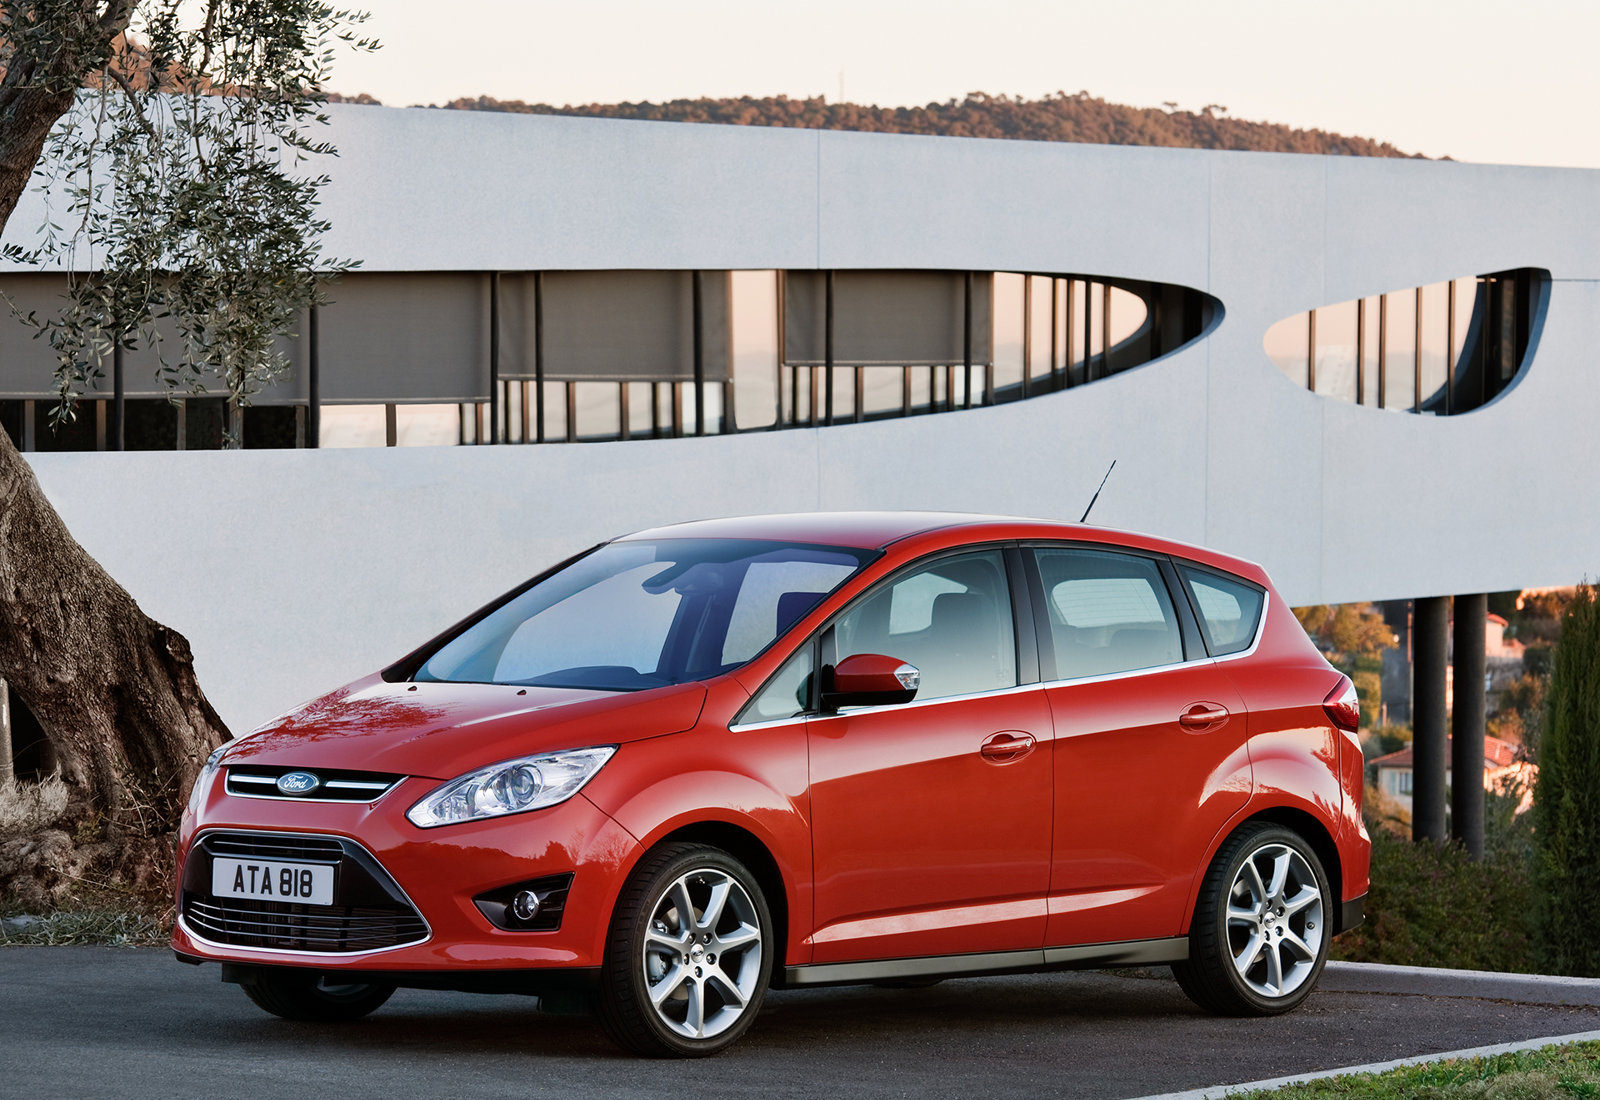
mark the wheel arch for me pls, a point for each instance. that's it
(751, 851)
(1316, 834)
(1303, 824)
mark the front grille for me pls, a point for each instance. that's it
(337, 785)
(370, 913)
(242, 922)
(303, 849)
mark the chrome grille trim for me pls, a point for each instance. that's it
(252, 781)
(386, 919)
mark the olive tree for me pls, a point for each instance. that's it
(176, 148)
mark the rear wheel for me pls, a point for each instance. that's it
(1262, 926)
(312, 997)
(689, 954)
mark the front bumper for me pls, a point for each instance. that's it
(437, 871)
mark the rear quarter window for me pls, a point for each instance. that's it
(1229, 609)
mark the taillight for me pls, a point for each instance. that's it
(1343, 706)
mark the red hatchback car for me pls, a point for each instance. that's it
(692, 763)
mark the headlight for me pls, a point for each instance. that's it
(202, 782)
(511, 787)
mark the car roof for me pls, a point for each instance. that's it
(864, 530)
(879, 530)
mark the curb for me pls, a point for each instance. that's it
(1218, 1092)
(1428, 981)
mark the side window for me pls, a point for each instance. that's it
(951, 618)
(786, 694)
(1108, 612)
(1230, 609)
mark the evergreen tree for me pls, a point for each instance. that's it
(1567, 805)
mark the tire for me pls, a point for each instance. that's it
(314, 998)
(666, 990)
(1257, 944)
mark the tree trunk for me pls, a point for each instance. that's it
(53, 50)
(114, 690)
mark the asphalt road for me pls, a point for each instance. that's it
(104, 1022)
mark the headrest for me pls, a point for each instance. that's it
(792, 606)
(961, 612)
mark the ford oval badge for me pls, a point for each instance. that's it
(298, 783)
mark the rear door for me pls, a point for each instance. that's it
(931, 820)
(1149, 756)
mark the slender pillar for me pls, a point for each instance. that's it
(1027, 333)
(827, 348)
(1311, 351)
(494, 357)
(700, 359)
(1429, 758)
(1383, 351)
(1467, 724)
(966, 338)
(119, 400)
(538, 357)
(1065, 378)
(313, 382)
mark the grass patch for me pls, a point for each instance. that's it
(1554, 1071)
(97, 917)
(83, 927)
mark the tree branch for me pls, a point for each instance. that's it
(127, 86)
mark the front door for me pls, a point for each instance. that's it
(931, 819)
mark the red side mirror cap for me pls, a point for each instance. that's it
(869, 680)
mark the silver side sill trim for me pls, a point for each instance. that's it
(1127, 953)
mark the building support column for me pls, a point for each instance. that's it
(1429, 758)
(1467, 723)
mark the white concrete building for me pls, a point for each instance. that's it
(292, 570)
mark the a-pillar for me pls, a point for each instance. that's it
(1467, 723)
(1429, 626)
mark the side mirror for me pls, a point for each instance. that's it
(868, 680)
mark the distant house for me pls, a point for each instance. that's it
(1502, 771)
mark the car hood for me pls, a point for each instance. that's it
(441, 730)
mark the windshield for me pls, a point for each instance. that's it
(636, 615)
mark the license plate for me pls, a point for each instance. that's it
(267, 880)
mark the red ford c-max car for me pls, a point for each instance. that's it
(800, 750)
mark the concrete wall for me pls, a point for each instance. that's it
(294, 571)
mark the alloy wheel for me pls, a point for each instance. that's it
(701, 953)
(1275, 920)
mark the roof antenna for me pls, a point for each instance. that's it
(1096, 496)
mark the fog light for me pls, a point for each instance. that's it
(525, 905)
(532, 905)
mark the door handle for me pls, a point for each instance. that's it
(1203, 716)
(1003, 748)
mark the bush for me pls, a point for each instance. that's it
(1567, 805)
(1433, 906)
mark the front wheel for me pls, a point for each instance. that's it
(1262, 926)
(310, 997)
(689, 954)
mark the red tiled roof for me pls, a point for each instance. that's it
(1496, 754)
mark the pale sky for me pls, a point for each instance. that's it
(1512, 82)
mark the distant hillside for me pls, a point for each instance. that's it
(1060, 117)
